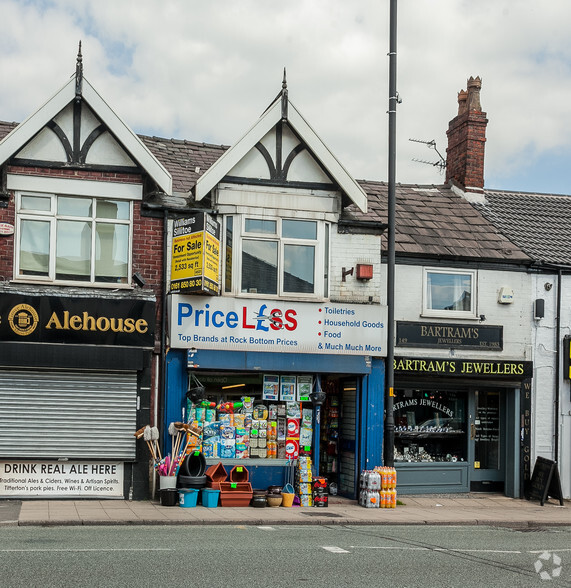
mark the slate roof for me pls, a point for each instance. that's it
(185, 160)
(430, 220)
(435, 221)
(540, 224)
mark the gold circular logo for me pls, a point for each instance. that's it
(23, 319)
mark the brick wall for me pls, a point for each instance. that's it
(148, 255)
(467, 139)
(7, 243)
(147, 232)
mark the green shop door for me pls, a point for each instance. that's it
(487, 438)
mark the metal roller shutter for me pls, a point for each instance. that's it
(57, 414)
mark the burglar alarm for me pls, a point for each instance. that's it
(505, 296)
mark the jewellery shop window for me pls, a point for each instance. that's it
(430, 426)
(266, 416)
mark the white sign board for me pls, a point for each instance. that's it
(277, 326)
(61, 478)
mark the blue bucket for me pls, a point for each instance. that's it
(210, 497)
(187, 497)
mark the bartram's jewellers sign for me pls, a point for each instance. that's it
(58, 319)
(463, 367)
(450, 336)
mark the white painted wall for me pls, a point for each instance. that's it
(514, 317)
(545, 374)
(346, 251)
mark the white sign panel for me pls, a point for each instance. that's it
(275, 325)
(57, 478)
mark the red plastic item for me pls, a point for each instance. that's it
(235, 493)
(239, 474)
(216, 473)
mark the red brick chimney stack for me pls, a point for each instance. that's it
(466, 140)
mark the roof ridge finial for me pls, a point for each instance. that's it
(79, 74)
(284, 97)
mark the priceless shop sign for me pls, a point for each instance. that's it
(277, 326)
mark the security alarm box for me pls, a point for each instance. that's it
(506, 295)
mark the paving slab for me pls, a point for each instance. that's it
(470, 509)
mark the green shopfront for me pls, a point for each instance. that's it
(461, 425)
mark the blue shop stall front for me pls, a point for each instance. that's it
(263, 410)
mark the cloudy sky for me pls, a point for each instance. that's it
(204, 70)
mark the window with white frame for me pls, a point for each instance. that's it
(277, 257)
(75, 239)
(449, 293)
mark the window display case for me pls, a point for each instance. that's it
(430, 426)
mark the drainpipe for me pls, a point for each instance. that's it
(558, 368)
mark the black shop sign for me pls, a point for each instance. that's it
(473, 368)
(58, 319)
(450, 336)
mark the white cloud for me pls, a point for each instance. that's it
(205, 71)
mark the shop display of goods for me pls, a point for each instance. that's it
(235, 493)
(210, 497)
(378, 488)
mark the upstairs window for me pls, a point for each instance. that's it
(449, 293)
(278, 257)
(74, 239)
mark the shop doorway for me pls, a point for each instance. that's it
(338, 443)
(487, 439)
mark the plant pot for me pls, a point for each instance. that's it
(274, 499)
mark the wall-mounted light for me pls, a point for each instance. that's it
(4, 199)
(345, 273)
(233, 386)
(139, 280)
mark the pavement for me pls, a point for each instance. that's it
(464, 509)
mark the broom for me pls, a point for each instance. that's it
(148, 437)
(155, 437)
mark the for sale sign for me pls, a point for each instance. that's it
(195, 256)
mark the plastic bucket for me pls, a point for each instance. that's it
(169, 497)
(287, 499)
(167, 482)
(187, 498)
(210, 497)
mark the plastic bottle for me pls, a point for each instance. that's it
(393, 498)
(374, 480)
(372, 499)
(383, 497)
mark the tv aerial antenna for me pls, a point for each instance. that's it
(440, 164)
